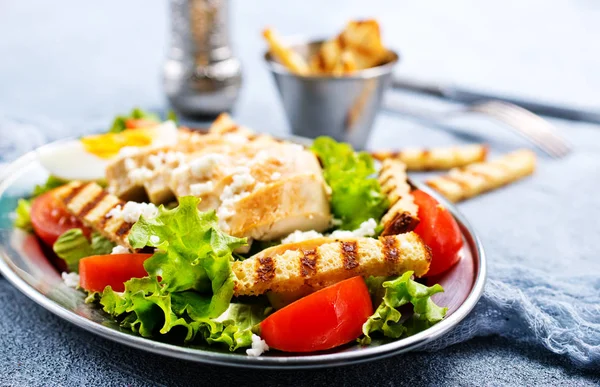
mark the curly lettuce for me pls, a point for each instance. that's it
(190, 283)
(396, 293)
(355, 193)
(73, 245)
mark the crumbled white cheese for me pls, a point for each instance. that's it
(300, 236)
(157, 160)
(236, 139)
(119, 250)
(275, 176)
(202, 167)
(70, 279)
(180, 173)
(132, 211)
(200, 189)
(366, 229)
(241, 181)
(154, 239)
(140, 175)
(259, 346)
(128, 151)
(174, 157)
(130, 164)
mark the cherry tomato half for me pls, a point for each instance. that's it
(322, 320)
(50, 218)
(98, 271)
(439, 231)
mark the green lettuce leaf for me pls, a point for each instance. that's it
(51, 183)
(73, 245)
(190, 282)
(397, 292)
(118, 124)
(148, 309)
(22, 218)
(193, 252)
(356, 195)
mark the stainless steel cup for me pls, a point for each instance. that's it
(342, 107)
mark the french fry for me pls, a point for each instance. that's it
(288, 57)
(442, 158)
(402, 215)
(474, 179)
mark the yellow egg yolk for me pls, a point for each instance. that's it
(108, 145)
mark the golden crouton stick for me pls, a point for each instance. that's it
(441, 158)
(321, 262)
(474, 179)
(288, 57)
(402, 215)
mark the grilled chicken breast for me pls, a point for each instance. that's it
(261, 188)
(321, 262)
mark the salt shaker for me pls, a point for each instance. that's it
(201, 75)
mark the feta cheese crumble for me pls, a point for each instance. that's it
(119, 250)
(366, 229)
(128, 151)
(259, 346)
(202, 167)
(200, 189)
(132, 211)
(71, 279)
(301, 236)
(140, 175)
(233, 193)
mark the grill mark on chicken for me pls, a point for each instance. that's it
(265, 271)
(349, 252)
(89, 206)
(106, 217)
(74, 192)
(391, 253)
(401, 223)
(461, 183)
(123, 228)
(308, 262)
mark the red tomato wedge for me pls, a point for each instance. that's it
(50, 218)
(135, 123)
(98, 271)
(439, 231)
(325, 319)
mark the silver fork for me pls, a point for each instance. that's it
(532, 127)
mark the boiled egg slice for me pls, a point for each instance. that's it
(86, 159)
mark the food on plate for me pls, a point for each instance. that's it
(321, 262)
(439, 231)
(474, 179)
(94, 153)
(314, 323)
(402, 215)
(439, 158)
(233, 238)
(357, 47)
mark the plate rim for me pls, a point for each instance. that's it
(230, 359)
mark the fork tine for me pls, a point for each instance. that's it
(534, 128)
(543, 129)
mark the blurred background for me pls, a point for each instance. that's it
(71, 66)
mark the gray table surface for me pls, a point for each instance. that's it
(69, 66)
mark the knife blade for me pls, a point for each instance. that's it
(467, 96)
